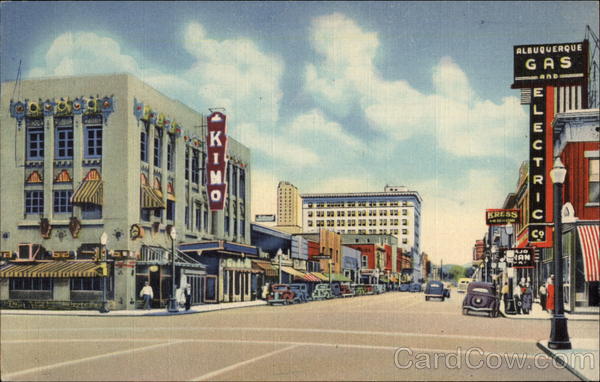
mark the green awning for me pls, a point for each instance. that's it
(337, 277)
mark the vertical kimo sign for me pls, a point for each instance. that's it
(216, 160)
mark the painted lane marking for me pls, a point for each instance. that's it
(294, 330)
(86, 359)
(213, 374)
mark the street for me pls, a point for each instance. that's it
(393, 336)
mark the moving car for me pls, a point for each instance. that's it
(415, 287)
(481, 297)
(281, 294)
(301, 292)
(463, 284)
(435, 289)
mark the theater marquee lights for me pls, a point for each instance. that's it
(216, 160)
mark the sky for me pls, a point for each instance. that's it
(330, 96)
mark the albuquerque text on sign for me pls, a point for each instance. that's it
(216, 161)
(550, 64)
(501, 217)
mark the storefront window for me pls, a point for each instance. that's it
(31, 283)
(87, 283)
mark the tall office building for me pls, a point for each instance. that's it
(289, 204)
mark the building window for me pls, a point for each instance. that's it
(404, 241)
(405, 232)
(145, 214)
(64, 143)
(87, 283)
(171, 154)
(226, 225)
(93, 142)
(157, 147)
(62, 201)
(34, 202)
(365, 261)
(404, 212)
(91, 211)
(404, 222)
(235, 181)
(144, 144)
(310, 223)
(158, 213)
(195, 166)
(205, 218)
(594, 181)
(171, 210)
(242, 228)
(198, 218)
(203, 167)
(187, 216)
(310, 214)
(31, 283)
(35, 143)
(187, 163)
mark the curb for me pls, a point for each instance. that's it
(561, 361)
(521, 317)
(152, 314)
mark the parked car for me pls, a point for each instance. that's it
(404, 287)
(481, 297)
(415, 287)
(369, 289)
(435, 289)
(359, 290)
(335, 289)
(346, 290)
(301, 292)
(379, 288)
(321, 292)
(281, 294)
(463, 284)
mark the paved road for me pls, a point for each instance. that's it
(394, 336)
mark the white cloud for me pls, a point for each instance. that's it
(453, 218)
(346, 77)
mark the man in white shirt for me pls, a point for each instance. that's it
(147, 294)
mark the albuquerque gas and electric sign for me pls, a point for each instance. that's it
(216, 160)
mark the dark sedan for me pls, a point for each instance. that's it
(481, 297)
(435, 289)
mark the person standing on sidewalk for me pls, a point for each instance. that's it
(550, 290)
(147, 294)
(517, 298)
(188, 297)
(504, 294)
(542, 291)
(527, 299)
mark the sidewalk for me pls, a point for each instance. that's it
(537, 313)
(582, 360)
(138, 312)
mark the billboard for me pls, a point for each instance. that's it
(561, 64)
(216, 160)
(501, 217)
(520, 258)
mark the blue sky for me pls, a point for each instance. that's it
(331, 96)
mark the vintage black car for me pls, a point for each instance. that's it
(415, 287)
(436, 289)
(481, 297)
(300, 292)
(404, 287)
(281, 294)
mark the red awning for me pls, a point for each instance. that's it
(312, 278)
(590, 242)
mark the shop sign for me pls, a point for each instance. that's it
(550, 64)
(264, 218)
(538, 145)
(501, 217)
(520, 257)
(216, 161)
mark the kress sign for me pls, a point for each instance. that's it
(216, 160)
(501, 217)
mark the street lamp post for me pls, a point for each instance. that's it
(510, 307)
(279, 256)
(103, 241)
(559, 334)
(172, 306)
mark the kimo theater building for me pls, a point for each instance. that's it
(83, 156)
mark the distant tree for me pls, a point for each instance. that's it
(456, 272)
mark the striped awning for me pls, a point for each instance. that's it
(265, 266)
(89, 192)
(300, 275)
(312, 278)
(589, 237)
(151, 199)
(320, 276)
(58, 269)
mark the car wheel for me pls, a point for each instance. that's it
(443, 298)
(426, 298)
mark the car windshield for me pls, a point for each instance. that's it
(480, 290)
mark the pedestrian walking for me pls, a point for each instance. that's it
(188, 297)
(550, 291)
(147, 294)
(504, 293)
(543, 292)
(265, 291)
(517, 298)
(527, 299)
